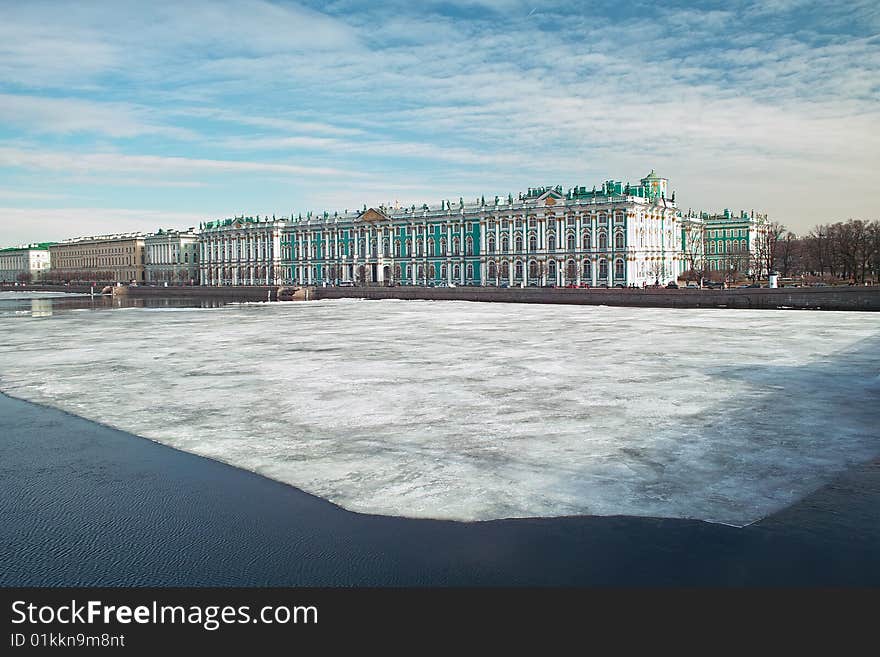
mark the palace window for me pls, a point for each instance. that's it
(586, 240)
(493, 271)
(618, 269)
(570, 242)
(533, 243)
(603, 269)
(470, 271)
(443, 271)
(551, 269)
(386, 251)
(443, 246)
(431, 251)
(456, 272)
(618, 240)
(533, 269)
(456, 246)
(571, 270)
(469, 246)
(519, 269)
(603, 241)
(533, 223)
(396, 249)
(490, 244)
(519, 244)
(551, 242)
(505, 269)
(505, 244)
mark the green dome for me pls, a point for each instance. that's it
(652, 176)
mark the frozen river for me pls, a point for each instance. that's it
(477, 411)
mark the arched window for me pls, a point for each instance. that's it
(618, 240)
(493, 270)
(443, 271)
(603, 269)
(442, 246)
(470, 271)
(432, 271)
(551, 242)
(551, 269)
(469, 246)
(421, 272)
(586, 240)
(431, 251)
(505, 244)
(618, 269)
(374, 247)
(533, 269)
(519, 269)
(396, 249)
(419, 248)
(407, 248)
(519, 244)
(587, 270)
(533, 243)
(505, 269)
(571, 270)
(491, 244)
(455, 246)
(456, 272)
(362, 247)
(397, 272)
(603, 241)
(570, 242)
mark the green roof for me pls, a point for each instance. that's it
(44, 246)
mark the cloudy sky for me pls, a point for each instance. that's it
(118, 116)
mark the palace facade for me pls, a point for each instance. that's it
(725, 242)
(172, 256)
(613, 235)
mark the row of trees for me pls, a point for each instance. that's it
(844, 250)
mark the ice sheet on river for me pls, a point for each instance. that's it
(478, 411)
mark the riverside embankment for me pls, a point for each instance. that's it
(831, 298)
(862, 298)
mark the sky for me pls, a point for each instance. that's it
(132, 116)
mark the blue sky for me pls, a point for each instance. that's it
(118, 116)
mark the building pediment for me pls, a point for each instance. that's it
(372, 214)
(550, 197)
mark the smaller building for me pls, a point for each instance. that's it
(721, 244)
(25, 264)
(172, 257)
(101, 259)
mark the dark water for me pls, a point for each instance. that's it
(83, 504)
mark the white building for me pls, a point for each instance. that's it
(618, 235)
(172, 257)
(24, 262)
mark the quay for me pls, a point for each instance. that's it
(855, 298)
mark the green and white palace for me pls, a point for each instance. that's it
(615, 234)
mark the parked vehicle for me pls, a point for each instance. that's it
(672, 285)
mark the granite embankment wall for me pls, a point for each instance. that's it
(832, 298)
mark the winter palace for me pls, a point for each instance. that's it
(612, 235)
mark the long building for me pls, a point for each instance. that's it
(102, 259)
(613, 235)
(172, 256)
(24, 264)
